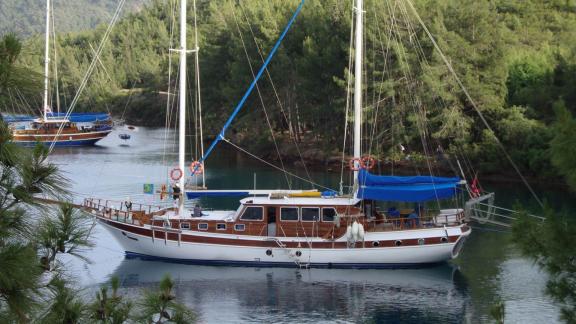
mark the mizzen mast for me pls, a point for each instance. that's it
(182, 105)
(358, 88)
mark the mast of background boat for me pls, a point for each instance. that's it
(358, 88)
(45, 106)
(182, 117)
(198, 96)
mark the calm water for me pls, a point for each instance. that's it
(463, 291)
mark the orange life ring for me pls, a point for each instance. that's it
(368, 162)
(196, 167)
(176, 174)
(352, 165)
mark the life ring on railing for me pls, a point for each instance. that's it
(368, 162)
(196, 167)
(176, 174)
(353, 166)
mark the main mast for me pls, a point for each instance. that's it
(45, 107)
(182, 117)
(358, 87)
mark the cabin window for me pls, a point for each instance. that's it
(203, 226)
(240, 227)
(185, 225)
(253, 214)
(328, 214)
(288, 213)
(310, 214)
(221, 227)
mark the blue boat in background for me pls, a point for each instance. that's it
(77, 129)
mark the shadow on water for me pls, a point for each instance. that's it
(293, 295)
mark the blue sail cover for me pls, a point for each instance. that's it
(74, 117)
(405, 189)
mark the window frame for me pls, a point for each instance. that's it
(290, 220)
(252, 220)
(310, 221)
(322, 214)
(236, 226)
(187, 227)
(220, 224)
(202, 225)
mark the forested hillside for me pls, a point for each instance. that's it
(517, 58)
(28, 17)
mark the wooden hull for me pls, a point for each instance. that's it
(225, 249)
(64, 139)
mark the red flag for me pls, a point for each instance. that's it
(474, 187)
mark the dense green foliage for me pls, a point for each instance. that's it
(516, 58)
(28, 17)
(549, 244)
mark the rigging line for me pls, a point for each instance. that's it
(425, 63)
(416, 105)
(384, 71)
(11, 103)
(276, 167)
(90, 69)
(251, 87)
(290, 129)
(168, 104)
(473, 103)
(199, 92)
(282, 110)
(98, 52)
(193, 116)
(129, 99)
(385, 67)
(348, 99)
(23, 100)
(261, 100)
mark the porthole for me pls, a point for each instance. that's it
(375, 243)
(421, 241)
(444, 239)
(298, 253)
(268, 252)
(398, 243)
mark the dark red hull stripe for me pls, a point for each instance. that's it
(162, 235)
(63, 136)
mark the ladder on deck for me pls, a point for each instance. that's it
(285, 249)
(483, 211)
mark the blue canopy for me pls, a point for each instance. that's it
(405, 189)
(74, 117)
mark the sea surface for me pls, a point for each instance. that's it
(462, 291)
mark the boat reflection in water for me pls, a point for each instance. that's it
(243, 294)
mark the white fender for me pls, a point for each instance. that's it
(349, 233)
(360, 232)
(355, 228)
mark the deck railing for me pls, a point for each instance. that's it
(134, 215)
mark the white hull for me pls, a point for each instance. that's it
(239, 254)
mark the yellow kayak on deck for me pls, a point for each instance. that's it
(306, 194)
